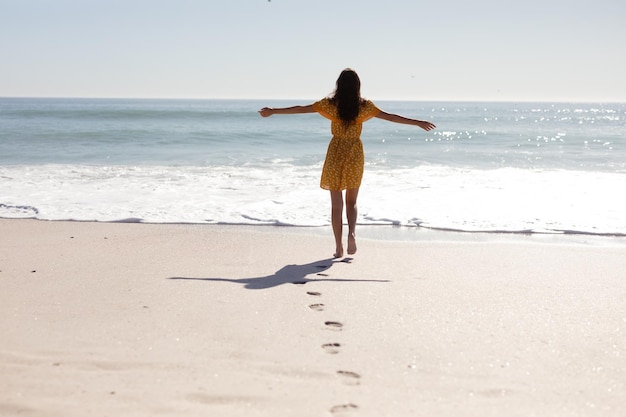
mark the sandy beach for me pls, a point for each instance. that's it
(119, 319)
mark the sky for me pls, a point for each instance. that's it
(441, 50)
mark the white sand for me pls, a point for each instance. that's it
(93, 325)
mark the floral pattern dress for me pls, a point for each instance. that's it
(343, 167)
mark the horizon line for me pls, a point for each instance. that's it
(445, 100)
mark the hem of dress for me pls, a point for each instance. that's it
(340, 189)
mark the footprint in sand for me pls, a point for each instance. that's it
(317, 307)
(343, 408)
(349, 377)
(332, 348)
(333, 325)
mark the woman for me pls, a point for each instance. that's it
(343, 167)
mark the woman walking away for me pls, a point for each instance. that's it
(343, 167)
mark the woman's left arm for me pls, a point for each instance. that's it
(268, 111)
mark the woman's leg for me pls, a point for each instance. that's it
(336, 201)
(351, 214)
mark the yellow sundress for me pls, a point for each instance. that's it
(343, 167)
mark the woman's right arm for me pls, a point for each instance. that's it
(268, 111)
(405, 120)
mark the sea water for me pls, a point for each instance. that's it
(488, 167)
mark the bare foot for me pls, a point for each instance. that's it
(339, 252)
(351, 244)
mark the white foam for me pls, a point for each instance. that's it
(506, 199)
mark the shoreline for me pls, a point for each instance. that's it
(396, 233)
(164, 319)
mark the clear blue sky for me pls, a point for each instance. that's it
(535, 50)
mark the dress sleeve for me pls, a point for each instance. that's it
(368, 111)
(324, 108)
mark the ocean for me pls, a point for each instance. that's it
(539, 168)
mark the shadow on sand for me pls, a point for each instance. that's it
(289, 274)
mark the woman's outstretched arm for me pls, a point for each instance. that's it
(268, 111)
(405, 120)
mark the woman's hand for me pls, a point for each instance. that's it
(266, 111)
(426, 125)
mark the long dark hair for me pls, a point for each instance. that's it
(347, 95)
